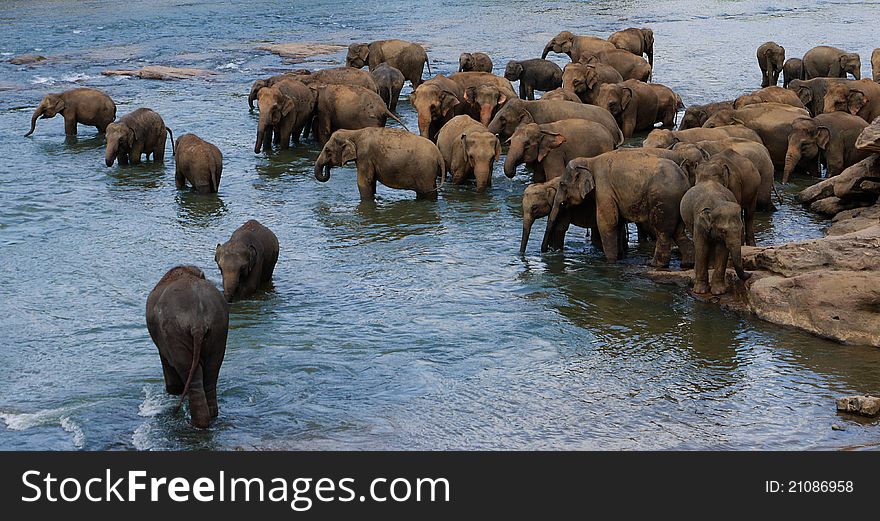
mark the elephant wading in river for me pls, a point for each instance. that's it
(247, 260)
(771, 58)
(792, 69)
(829, 138)
(772, 94)
(549, 147)
(636, 41)
(696, 115)
(536, 74)
(860, 98)
(585, 80)
(469, 150)
(188, 321)
(474, 62)
(740, 176)
(537, 201)
(630, 66)
(482, 93)
(87, 106)
(518, 112)
(636, 105)
(348, 107)
(286, 108)
(436, 101)
(561, 95)
(140, 132)
(576, 46)
(407, 57)
(390, 82)
(199, 162)
(298, 74)
(812, 92)
(628, 187)
(825, 61)
(396, 158)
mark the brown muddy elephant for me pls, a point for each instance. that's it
(474, 62)
(772, 94)
(585, 80)
(407, 57)
(686, 158)
(390, 82)
(537, 201)
(547, 148)
(247, 260)
(469, 151)
(348, 107)
(286, 109)
(628, 187)
(636, 41)
(436, 101)
(483, 93)
(341, 76)
(297, 74)
(663, 138)
(561, 95)
(792, 69)
(188, 321)
(516, 112)
(829, 138)
(576, 46)
(696, 115)
(90, 107)
(739, 175)
(396, 158)
(199, 162)
(812, 92)
(860, 98)
(824, 61)
(713, 219)
(630, 66)
(771, 58)
(135, 134)
(534, 74)
(637, 105)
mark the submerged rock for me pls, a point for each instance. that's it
(27, 59)
(159, 72)
(293, 52)
(863, 405)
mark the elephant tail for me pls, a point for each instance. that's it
(442, 164)
(198, 335)
(215, 179)
(428, 63)
(172, 139)
(395, 118)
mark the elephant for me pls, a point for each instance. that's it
(436, 102)
(792, 69)
(549, 147)
(739, 175)
(663, 138)
(474, 62)
(407, 57)
(576, 46)
(829, 138)
(630, 66)
(341, 76)
(535, 74)
(483, 93)
(771, 58)
(714, 220)
(469, 151)
(286, 108)
(628, 186)
(875, 65)
(561, 95)
(390, 82)
(812, 92)
(771, 121)
(537, 201)
(348, 107)
(247, 260)
(636, 41)
(396, 158)
(636, 105)
(297, 74)
(83, 105)
(517, 111)
(199, 162)
(188, 320)
(686, 158)
(585, 80)
(772, 94)
(860, 98)
(139, 132)
(696, 115)
(825, 61)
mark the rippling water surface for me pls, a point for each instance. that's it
(400, 324)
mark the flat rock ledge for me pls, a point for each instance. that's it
(159, 72)
(861, 405)
(297, 52)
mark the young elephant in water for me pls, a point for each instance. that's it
(140, 132)
(663, 138)
(188, 321)
(247, 260)
(585, 80)
(286, 108)
(407, 57)
(87, 106)
(828, 138)
(535, 74)
(696, 115)
(537, 201)
(199, 162)
(469, 151)
(474, 62)
(739, 175)
(637, 106)
(396, 158)
(390, 82)
(348, 107)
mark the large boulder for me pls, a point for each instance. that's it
(159, 72)
(860, 182)
(869, 139)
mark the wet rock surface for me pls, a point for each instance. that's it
(28, 59)
(159, 72)
(862, 405)
(296, 52)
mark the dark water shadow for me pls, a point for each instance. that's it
(149, 175)
(82, 143)
(379, 221)
(197, 209)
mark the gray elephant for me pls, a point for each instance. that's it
(549, 147)
(199, 162)
(771, 58)
(537, 202)
(860, 98)
(696, 115)
(396, 158)
(348, 107)
(407, 57)
(825, 61)
(436, 101)
(535, 74)
(390, 82)
(792, 69)
(812, 92)
(474, 62)
(516, 112)
(739, 175)
(296, 74)
(135, 134)
(630, 66)
(585, 80)
(576, 46)
(636, 41)
(247, 260)
(772, 94)
(663, 138)
(83, 105)
(482, 94)
(188, 320)
(637, 105)
(286, 109)
(828, 138)
(469, 151)
(561, 95)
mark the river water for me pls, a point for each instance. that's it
(401, 325)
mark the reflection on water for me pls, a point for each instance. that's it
(197, 209)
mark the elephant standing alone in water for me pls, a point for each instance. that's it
(407, 57)
(83, 105)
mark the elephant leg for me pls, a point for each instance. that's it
(701, 262)
(558, 240)
(211, 374)
(530, 93)
(179, 178)
(135, 155)
(522, 90)
(366, 187)
(662, 250)
(749, 220)
(69, 124)
(199, 412)
(596, 237)
(268, 136)
(719, 285)
(173, 382)
(685, 246)
(159, 149)
(607, 221)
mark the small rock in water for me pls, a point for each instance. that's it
(25, 59)
(863, 405)
(837, 427)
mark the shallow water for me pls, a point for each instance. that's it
(404, 324)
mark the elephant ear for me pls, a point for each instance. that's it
(469, 94)
(502, 99)
(549, 141)
(57, 103)
(626, 96)
(252, 257)
(464, 145)
(448, 100)
(349, 151)
(587, 183)
(591, 77)
(855, 101)
(286, 106)
(363, 52)
(706, 216)
(725, 173)
(823, 137)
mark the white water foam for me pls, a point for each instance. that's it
(72, 427)
(26, 420)
(231, 65)
(154, 403)
(43, 80)
(76, 77)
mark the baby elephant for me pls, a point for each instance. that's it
(474, 62)
(87, 106)
(397, 158)
(390, 82)
(247, 260)
(536, 74)
(137, 133)
(188, 320)
(199, 162)
(469, 150)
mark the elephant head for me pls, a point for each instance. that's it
(236, 260)
(481, 149)
(255, 89)
(842, 98)
(465, 62)
(50, 105)
(648, 42)
(561, 43)
(339, 149)
(432, 103)
(119, 141)
(513, 71)
(580, 79)
(274, 106)
(487, 98)
(724, 224)
(713, 170)
(748, 99)
(690, 155)
(537, 201)
(529, 144)
(805, 141)
(358, 55)
(849, 62)
(511, 115)
(615, 98)
(694, 116)
(575, 186)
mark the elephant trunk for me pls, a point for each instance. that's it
(112, 151)
(547, 49)
(551, 224)
(259, 144)
(528, 220)
(322, 170)
(483, 175)
(230, 285)
(734, 245)
(253, 96)
(513, 159)
(486, 113)
(792, 158)
(424, 125)
(37, 114)
(857, 74)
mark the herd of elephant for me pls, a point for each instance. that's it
(697, 187)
